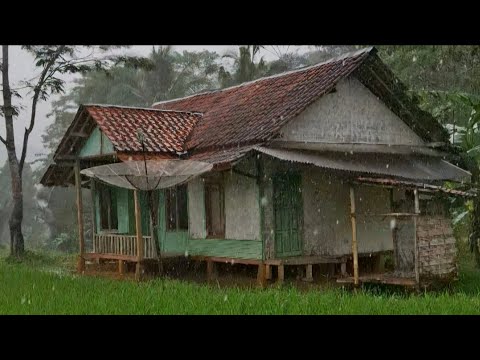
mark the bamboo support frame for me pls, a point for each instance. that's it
(354, 236)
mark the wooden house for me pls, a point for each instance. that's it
(331, 163)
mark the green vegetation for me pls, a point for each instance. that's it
(45, 284)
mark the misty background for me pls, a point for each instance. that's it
(444, 80)
(22, 68)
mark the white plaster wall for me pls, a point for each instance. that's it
(242, 214)
(327, 223)
(196, 209)
(352, 114)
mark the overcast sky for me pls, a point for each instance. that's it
(22, 68)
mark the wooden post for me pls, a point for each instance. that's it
(354, 235)
(281, 274)
(78, 188)
(343, 268)
(94, 220)
(121, 267)
(261, 275)
(138, 226)
(417, 212)
(268, 272)
(309, 273)
(210, 270)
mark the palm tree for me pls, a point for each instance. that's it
(245, 67)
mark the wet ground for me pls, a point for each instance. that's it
(226, 275)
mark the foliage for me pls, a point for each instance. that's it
(64, 242)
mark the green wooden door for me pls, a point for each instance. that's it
(287, 207)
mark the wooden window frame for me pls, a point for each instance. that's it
(177, 213)
(101, 191)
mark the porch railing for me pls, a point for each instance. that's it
(123, 245)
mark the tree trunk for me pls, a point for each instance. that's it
(474, 240)
(17, 247)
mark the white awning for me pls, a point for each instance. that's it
(148, 175)
(412, 167)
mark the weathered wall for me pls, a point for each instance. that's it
(327, 223)
(326, 208)
(196, 209)
(352, 114)
(436, 247)
(242, 215)
(96, 144)
(404, 233)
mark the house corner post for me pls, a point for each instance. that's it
(354, 235)
(78, 188)
(417, 213)
(138, 227)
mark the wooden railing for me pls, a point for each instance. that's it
(122, 245)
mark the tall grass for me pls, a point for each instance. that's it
(36, 286)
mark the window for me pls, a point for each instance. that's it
(108, 208)
(176, 208)
(215, 210)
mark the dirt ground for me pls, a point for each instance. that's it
(226, 275)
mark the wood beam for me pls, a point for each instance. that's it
(261, 275)
(138, 226)
(94, 220)
(417, 211)
(79, 134)
(78, 188)
(281, 274)
(309, 273)
(354, 235)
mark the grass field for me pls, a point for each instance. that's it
(43, 284)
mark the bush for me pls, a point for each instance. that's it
(64, 242)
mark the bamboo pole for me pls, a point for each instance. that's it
(354, 235)
(417, 211)
(138, 226)
(78, 188)
(94, 221)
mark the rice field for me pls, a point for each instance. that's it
(44, 284)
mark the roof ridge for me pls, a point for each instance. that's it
(142, 108)
(305, 68)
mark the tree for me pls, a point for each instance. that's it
(245, 67)
(52, 60)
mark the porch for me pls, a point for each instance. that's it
(120, 247)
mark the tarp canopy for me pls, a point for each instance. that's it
(413, 167)
(148, 175)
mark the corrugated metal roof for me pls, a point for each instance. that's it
(414, 167)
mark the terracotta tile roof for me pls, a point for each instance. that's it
(165, 131)
(254, 112)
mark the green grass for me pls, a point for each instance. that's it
(43, 284)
